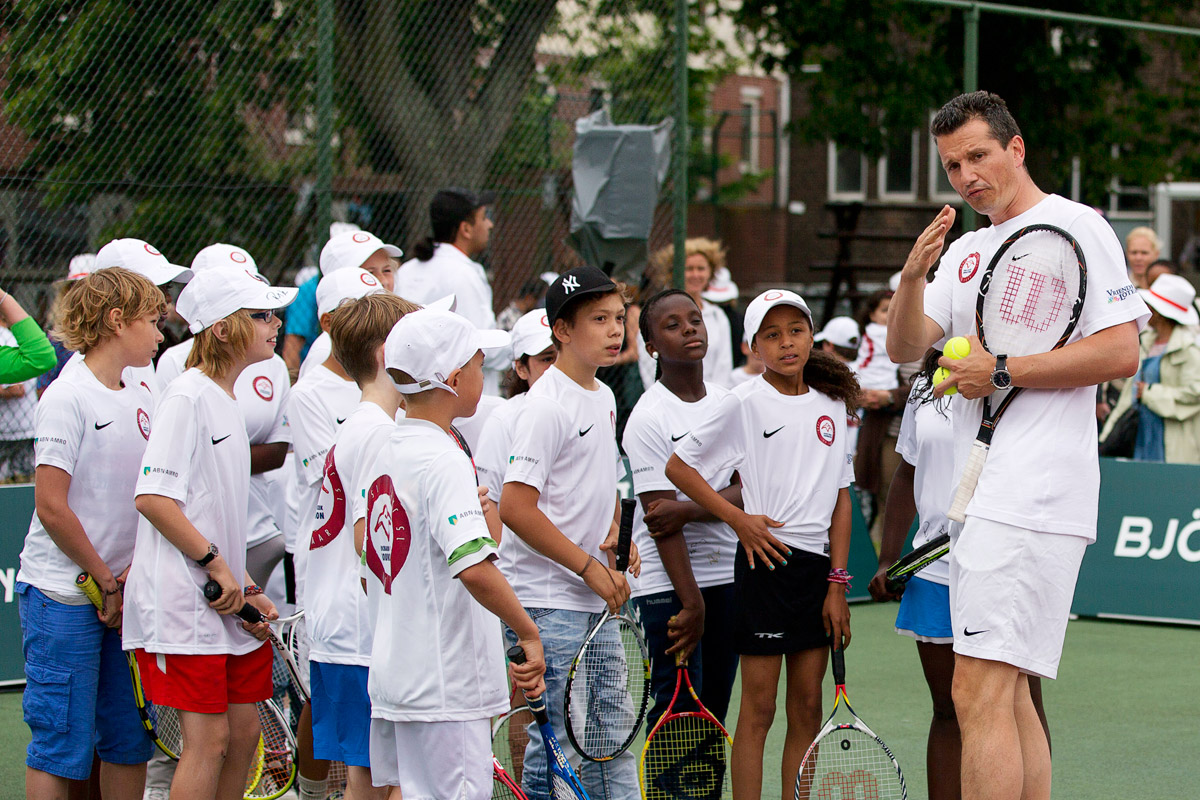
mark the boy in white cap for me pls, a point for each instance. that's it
(192, 494)
(437, 672)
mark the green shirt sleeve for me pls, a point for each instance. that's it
(32, 356)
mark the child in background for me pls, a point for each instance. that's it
(751, 369)
(91, 433)
(786, 437)
(437, 672)
(876, 460)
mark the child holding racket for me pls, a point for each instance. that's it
(560, 499)
(786, 436)
(685, 591)
(91, 432)
(437, 671)
(192, 492)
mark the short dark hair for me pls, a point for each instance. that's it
(570, 309)
(986, 106)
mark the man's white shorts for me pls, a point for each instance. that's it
(1010, 593)
(433, 760)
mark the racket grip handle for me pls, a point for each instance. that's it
(516, 654)
(212, 591)
(838, 657)
(625, 533)
(537, 705)
(966, 486)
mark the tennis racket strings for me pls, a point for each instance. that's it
(689, 760)
(608, 694)
(1031, 295)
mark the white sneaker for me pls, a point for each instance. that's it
(157, 793)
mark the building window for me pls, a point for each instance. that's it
(751, 108)
(940, 189)
(847, 173)
(898, 167)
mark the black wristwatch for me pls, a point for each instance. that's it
(212, 553)
(1001, 378)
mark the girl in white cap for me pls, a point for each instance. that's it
(192, 492)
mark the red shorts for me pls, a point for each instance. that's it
(207, 684)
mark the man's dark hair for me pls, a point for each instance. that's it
(986, 106)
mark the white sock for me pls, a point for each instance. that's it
(311, 789)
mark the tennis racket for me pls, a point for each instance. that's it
(847, 759)
(161, 723)
(608, 685)
(687, 753)
(509, 737)
(1030, 300)
(564, 783)
(902, 571)
(248, 613)
(273, 770)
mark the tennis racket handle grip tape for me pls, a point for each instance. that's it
(625, 533)
(970, 477)
(838, 656)
(537, 705)
(212, 591)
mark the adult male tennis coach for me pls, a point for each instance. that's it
(1014, 562)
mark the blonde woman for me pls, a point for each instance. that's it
(1141, 249)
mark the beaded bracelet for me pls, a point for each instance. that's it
(840, 576)
(252, 590)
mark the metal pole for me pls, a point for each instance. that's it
(970, 84)
(324, 188)
(681, 137)
(1064, 16)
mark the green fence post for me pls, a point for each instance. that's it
(970, 220)
(681, 136)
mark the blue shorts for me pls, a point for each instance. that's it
(341, 713)
(78, 698)
(925, 612)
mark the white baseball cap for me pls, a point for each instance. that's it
(345, 284)
(721, 289)
(216, 293)
(531, 334)
(142, 258)
(840, 332)
(223, 255)
(81, 266)
(759, 306)
(305, 274)
(431, 343)
(352, 249)
(1173, 297)
(894, 281)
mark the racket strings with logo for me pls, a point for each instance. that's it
(686, 755)
(847, 759)
(906, 568)
(564, 783)
(1030, 300)
(608, 685)
(509, 737)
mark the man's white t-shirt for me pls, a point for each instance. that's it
(926, 441)
(792, 453)
(261, 391)
(1042, 472)
(437, 654)
(658, 422)
(198, 455)
(339, 629)
(144, 376)
(97, 436)
(318, 352)
(317, 406)
(564, 445)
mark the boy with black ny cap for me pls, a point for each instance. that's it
(560, 499)
(445, 264)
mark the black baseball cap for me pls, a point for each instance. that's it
(571, 285)
(451, 207)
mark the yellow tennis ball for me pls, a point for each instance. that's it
(958, 347)
(940, 374)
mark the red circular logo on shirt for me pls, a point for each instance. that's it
(144, 423)
(772, 295)
(237, 257)
(361, 237)
(150, 249)
(388, 536)
(968, 267)
(368, 279)
(263, 387)
(825, 430)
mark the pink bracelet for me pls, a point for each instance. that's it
(840, 576)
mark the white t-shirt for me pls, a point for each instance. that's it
(17, 413)
(133, 376)
(97, 436)
(718, 360)
(261, 391)
(1042, 472)
(564, 445)
(739, 375)
(873, 368)
(199, 455)
(316, 408)
(472, 427)
(792, 453)
(318, 352)
(657, 423)
(339, 630)
(491, 464)
(437, 654)
(927, 442)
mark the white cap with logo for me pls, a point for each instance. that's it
(81, 266)
(223, 255)
(759, 306)
(352, 249)
(531, 334)
(840, 332)
(216, 293)
(142, 258)
(429, 344)
(345, 284)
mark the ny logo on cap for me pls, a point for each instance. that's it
(569, 283)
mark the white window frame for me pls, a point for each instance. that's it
(831, 177)
(750, 96)
(900, 197)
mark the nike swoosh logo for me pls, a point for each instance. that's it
(680, 436)
(772, 433)
(1018, 258)
(589, 427)
(215, 440)
(972, 633)
(340, 421)
(100, 427)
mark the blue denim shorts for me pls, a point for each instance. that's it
(341, 713)
(78, 697)
(925, 612)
